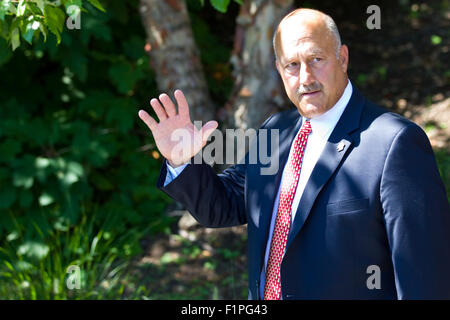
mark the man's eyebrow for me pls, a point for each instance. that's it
(308, 52)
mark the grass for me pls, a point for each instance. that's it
(82, 262)
(443, 161)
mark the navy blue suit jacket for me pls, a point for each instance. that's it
(378, 201)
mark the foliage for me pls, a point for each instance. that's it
(72, 150)
(443, 161)
(219, 5)
(38, 269)
(28, 19)
(215, 52)
(222, 5)
(76, 165)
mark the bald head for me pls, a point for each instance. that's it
(311, 61)
(308, 17)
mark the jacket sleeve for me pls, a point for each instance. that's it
(417, 217)
(213, 200)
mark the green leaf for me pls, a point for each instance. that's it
(4, 174)
(97, 4)
(26, 198)
(134, 47)
(12, 8)
(7, 197)
(43, 31)
(220, 5)
(77, 63)
(9, 149)
(22, 180)
(101, 182)
(435, 39)
(195, 4)
(33, 250)
(9, 265)
(69, 178)
(78, 3)
(42, 163)
(97, 27)
(4, 6)
(124, 76)
(55, 18)
(5, 52)
(45, 199)
(31, 27)
(15, 38)
(21, 8)
(37, 131)
(121, 114)
(41, 5)
(75, 168)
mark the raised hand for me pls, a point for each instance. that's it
(176, 137)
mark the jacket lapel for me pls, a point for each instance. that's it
(286, 137)
(337, 146)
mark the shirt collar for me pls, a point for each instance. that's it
(325, 123)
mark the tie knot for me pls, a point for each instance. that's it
(306, 127)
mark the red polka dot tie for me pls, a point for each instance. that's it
(272, 288)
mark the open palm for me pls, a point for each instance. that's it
(176, 137)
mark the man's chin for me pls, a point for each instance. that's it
(309, 110)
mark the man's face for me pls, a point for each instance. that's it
(313, 77)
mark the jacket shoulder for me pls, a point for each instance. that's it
(377, 118)
(282, 119)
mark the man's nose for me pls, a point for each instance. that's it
(305, 75)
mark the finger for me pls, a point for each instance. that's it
(208, 129)
(149, 121)
(159, 110)
(168, 105)
(183, 107)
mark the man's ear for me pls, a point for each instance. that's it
(343, 58)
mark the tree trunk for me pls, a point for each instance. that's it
(258, 90)
(174, 55)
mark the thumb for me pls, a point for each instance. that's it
(208, 129)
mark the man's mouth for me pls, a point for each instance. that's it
(310, 94)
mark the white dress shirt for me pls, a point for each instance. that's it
(172, 172)
(321, 127)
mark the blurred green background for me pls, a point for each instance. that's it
(78, 169)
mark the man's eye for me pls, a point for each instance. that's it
(316, 59)
(291, 65)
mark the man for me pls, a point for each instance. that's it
(357, 210)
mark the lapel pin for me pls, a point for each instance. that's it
(340, 146)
